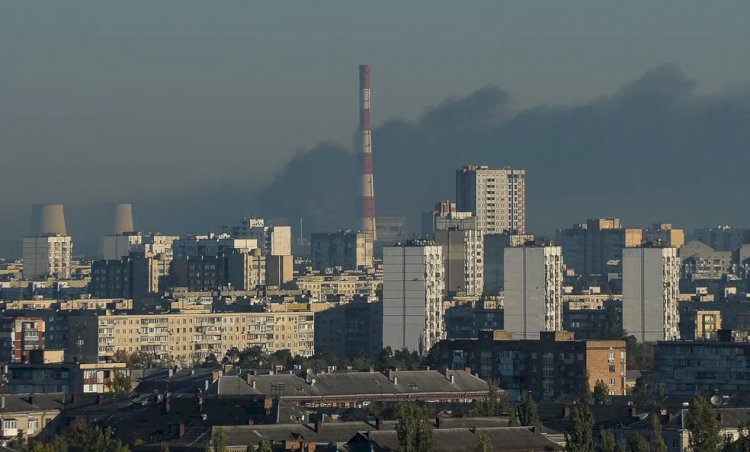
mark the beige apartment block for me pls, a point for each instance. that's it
(187, 337)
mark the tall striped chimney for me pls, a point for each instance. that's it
(368, 182)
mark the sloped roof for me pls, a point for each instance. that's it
(19, 403)
(461, 439)
(447, 438)
(351, 383)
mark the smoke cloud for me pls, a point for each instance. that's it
(655, 150)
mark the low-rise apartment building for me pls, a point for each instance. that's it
(547, 368)
(319, 287)
(188, 336)
(693, 367)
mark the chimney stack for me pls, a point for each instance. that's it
(378, 423)
(318, 425)
(368, 182)
(48, 219)
(122, 218)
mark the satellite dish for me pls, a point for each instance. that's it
(715, 400)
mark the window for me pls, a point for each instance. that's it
(32, 425)
(9, 424)
(611, 381)
(611, 356)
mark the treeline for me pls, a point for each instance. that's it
(256, 358)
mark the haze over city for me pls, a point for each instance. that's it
(252, 105)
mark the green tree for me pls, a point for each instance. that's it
(601, 393)
(612, 328)
(485, 445)
(219, 441)
(584, 388)
(580, 436)
(657, 439)
(638, 444)
(121, 383)
(492, 405)
(264, 446)
(640, 355)
(415, 433)
(513, 418)
(528, 414)
(425, 436)
(607, 441)
(702, 425)
(19, 443)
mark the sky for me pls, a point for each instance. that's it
(204, 112)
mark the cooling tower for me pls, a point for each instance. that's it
(122, 217)
(48, 219)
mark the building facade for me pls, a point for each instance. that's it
(47, 256)
(20, 336)
(651, 290)
(595, 247)
(188, 336)
(413, 283)
(533, 290)
(494, 258)
(695, 367)
(346, 249)
(344, 287)
(350, 329)
(463, 260)
(548, 367)
(495, 196)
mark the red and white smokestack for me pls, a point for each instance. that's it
(368, 182)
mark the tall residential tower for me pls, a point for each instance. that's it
(496, 196)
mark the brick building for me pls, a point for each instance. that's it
(554, 365)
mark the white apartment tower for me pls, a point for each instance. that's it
(463, 255)
(533, 290)
(496, 196)
(47, 256)
(48, 250)
(413, 296)
(650, 293)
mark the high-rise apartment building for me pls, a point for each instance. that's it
(413, 296)
(47, 256)
(446, 216)
(117, 246)
(496, 196)
(347, 249)
(274, 240)
(663, 234)
(210, 245)
(595, 247)
(650, 292)
(463, 259)
(494, 258)
(533, 290)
